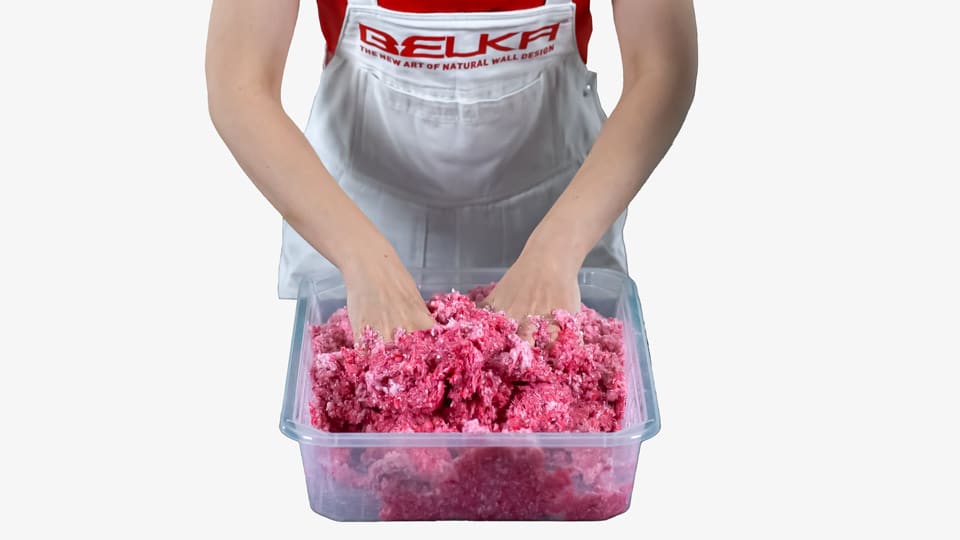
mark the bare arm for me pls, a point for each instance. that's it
(247, 47)
(658, 44)
(246, 52)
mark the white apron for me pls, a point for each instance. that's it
(454, 133)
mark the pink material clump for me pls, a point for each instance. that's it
(472, 372)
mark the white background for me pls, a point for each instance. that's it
(796, 255)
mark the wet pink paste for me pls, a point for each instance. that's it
(472, 372)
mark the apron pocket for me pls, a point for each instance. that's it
(447, 147)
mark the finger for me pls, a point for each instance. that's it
(553, 330)
(426, 322)
(387, 331)
(422, 318)
(360, 329)
(389, 336)
(491, 301)
(526, 329)
(356, 330)
(358, 334)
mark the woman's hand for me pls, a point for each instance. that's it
(658, 45)
(381, 294)
(536, 284)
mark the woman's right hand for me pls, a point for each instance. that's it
(382, 294)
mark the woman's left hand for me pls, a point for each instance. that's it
(536, 285)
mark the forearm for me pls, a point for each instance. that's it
(629, 147)
(247, 47)
(284, 167)
(658, 46)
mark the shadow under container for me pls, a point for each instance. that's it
(472, 476)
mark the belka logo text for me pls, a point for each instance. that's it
(447, 46)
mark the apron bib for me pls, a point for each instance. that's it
(454, 133)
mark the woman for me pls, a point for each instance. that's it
(451, 133)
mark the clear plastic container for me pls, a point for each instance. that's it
(476, 476)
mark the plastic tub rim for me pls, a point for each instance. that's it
(309, 435)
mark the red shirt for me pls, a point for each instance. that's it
(332, 13)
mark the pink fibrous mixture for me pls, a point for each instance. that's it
(472, 372)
